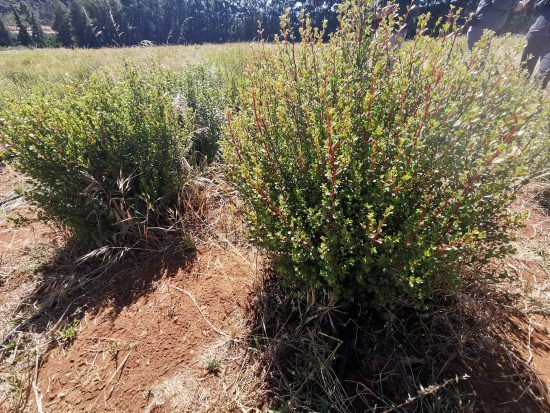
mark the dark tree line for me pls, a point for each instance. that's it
(98, 23)
(5, 38)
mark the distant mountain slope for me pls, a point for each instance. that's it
(41, 8)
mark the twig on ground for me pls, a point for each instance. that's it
(216, 329)
(423, 392)
(37, 395)
(118, 370)
(530, 330)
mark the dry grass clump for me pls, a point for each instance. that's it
(238, 383)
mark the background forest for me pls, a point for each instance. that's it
(101, 23)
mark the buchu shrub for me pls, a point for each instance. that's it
(378, 171)
(110, 158)
(203, 96)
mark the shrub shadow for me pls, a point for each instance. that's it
(67, 287)
(463, 354)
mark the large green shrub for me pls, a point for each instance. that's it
(379, 172)
(109, 157)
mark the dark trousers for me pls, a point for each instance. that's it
(474, 35)
(537, 48)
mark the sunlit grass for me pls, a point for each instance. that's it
(22, 70)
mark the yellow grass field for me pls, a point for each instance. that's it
(22, 70)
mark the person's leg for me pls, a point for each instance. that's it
(530, 56)
(544, 68)
(474, 35)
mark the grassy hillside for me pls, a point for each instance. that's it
(28, 69)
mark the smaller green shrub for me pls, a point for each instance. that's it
(378, 172)
(110, 158)
(214, 366)
(203, 98)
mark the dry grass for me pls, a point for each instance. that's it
(25, 70)
(22, 70)
(238, 385)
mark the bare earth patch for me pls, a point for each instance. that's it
(524, 324)
(160, 325)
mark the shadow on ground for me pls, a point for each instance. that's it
(67, 288)
(466, 354)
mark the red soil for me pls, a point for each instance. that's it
(145, 330)
(514, 376)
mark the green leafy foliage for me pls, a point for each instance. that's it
(204, 97)
(107, 157)
(67, 334)
(214, 366)
(378, 172)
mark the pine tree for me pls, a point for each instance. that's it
(23, 10)
(81, 26)
(23, 36)
(5, 38)
(93, 23)
(62, 24)
(38, 38)
(107, 19)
